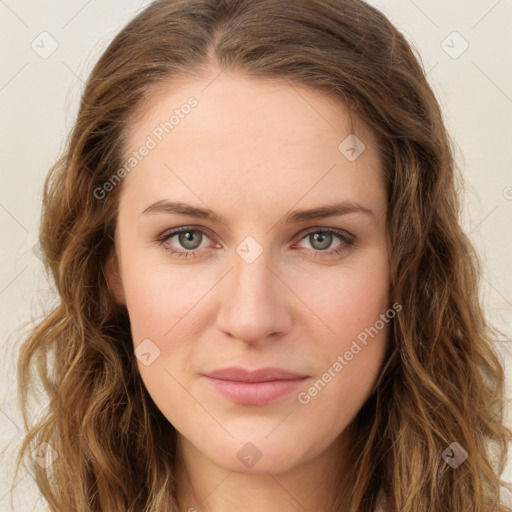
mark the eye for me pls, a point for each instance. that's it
(187, 237)
(322, 238)
(191, 238)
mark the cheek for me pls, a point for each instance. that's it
(349, 364)
(159, 297)
(166, 306)
(160, 302)
(349, 299)
(356, 312)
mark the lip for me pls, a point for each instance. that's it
(239, 374)
(255, 387)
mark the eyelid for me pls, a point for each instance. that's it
(342, 233)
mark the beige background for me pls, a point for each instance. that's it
(39, 98)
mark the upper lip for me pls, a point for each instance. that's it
(258, 375)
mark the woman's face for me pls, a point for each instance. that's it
(255, 284)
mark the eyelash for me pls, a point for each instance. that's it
(346, 238)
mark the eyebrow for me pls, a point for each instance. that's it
(296, 216)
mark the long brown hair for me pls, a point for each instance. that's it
(442, 381)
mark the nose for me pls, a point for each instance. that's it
(255, 301)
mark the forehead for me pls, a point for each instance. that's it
(227, 103)
(248, 137)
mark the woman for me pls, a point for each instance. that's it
(266, 297)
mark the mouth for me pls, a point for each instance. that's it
(257, 387)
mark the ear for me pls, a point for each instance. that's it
(113, 276)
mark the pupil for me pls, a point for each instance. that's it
(186, 239)
(322, 237)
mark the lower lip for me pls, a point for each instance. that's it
(256, 393)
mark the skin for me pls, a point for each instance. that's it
(251, 151)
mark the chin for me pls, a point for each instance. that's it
(256, 455)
